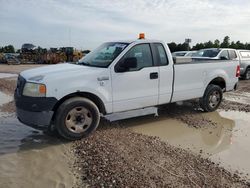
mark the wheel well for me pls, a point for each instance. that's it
(87, 95)
(219, 82)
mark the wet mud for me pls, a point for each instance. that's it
(29, 158)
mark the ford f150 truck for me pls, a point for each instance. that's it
(116, 77)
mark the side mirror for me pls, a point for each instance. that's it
(223, 58)
(126, 64)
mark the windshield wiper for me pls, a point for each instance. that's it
(90, 65)
(84, 63)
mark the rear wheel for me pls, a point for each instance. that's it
(247, 74)
(211, 99)
(76, 118)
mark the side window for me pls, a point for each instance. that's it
(161, 54)
(245, 54)
(224, 54)
(143, 55)
(232, 54)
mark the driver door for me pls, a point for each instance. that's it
(136, 87)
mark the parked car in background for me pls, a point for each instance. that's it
(244, 56)
(10, 58)
(179, 53)
(217, 53)
(190, 53)
(184, 53)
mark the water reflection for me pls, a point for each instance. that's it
(209, 139)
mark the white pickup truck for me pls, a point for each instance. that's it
(116, 77)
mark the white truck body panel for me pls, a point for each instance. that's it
(64, 79)
(133, 90)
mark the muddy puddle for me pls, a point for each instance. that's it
(227, 142)
(29, 158)
(4, 98)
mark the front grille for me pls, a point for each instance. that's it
(20, 84)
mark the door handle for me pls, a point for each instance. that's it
(103, 78)
(154, 75)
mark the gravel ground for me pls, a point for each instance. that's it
(244, 86)
(189, 113)
(7, 86)
(235, 106)
(117, 157)
(8, 107)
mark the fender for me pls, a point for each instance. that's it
(217, 74)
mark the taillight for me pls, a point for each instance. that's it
(238, 71)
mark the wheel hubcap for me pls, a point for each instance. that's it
(78, 120)
(214, 99)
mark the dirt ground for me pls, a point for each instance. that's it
(16, 69)
(7, 86)
(233, 99)
(116, 156)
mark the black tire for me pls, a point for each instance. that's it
(247, 74)
(64, 111)
(207, 100)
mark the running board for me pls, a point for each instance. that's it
(132, 114)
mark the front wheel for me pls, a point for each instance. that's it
(211, 99)
(76, 118)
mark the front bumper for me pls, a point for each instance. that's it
(37, 120)
(36, 112)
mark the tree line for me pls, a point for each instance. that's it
(210, 44)
(7, 49)
(175, 47)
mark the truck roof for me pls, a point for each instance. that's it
(218, 49)
(139, 41)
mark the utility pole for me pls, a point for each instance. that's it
(188, 41)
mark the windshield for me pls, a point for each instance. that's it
(207, 53)
(191, 54)
(103, 55)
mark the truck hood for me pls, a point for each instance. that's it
(41, 73)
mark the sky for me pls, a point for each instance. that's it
(85, 24)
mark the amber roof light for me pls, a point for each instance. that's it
(142, 36)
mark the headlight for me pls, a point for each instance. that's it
(34, 90)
